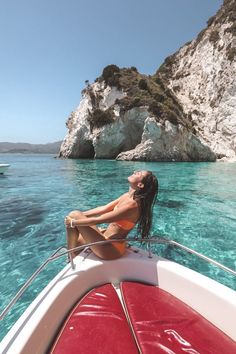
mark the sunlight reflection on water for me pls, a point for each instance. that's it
(197, 203)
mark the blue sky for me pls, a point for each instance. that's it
(48, 48)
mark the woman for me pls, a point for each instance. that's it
(122, 214)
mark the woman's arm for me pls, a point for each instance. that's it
(102, 209)
(126, 211)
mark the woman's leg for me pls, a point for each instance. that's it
(74, 239)
(89, 234)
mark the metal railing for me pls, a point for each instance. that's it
(154, 240)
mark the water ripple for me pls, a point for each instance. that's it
(196, 207)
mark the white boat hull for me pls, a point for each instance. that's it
(3, 167)
(212, 300)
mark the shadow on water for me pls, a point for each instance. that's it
(22, 213)
(2, 176)
(170, 204)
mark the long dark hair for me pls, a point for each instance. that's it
(146, 198)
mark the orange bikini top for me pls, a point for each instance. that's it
(125, 224)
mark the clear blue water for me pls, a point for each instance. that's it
(196, 207)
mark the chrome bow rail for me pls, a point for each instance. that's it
(57, 254)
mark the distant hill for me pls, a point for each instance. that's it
(25, 148)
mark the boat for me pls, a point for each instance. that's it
(139, 303)
(3, 167)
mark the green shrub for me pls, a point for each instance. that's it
(210, 21)
(196, 112)
(176, 88)
(170, 60)
(231, 29)
(141, 90)
(111, 74)
(92, 96)
(214, 36)
(99, 118)
(155, 108)
(137, 101)
(109, 70)
(172, 117)
(160, 82)
(231, 54)
(142, 84)
(199, 37)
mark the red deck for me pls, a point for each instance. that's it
(97, 324)
(160, 324)
(164, 324)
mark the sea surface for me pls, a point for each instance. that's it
(196, 207)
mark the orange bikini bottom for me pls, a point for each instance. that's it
(120, 246)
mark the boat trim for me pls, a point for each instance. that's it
(57, 254)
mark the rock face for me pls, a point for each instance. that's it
(77, 142)
(168, 143)
(202, 76)
(184, 112)
(124, 134)
(133, 134)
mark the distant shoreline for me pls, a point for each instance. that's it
(28, 153)
(26, 148)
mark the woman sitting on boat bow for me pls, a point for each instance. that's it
(122, 214)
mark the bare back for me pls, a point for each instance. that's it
(114, 230)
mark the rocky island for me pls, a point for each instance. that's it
(184, 112)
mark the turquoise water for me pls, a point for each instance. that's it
(196, 207)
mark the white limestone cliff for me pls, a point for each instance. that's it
(168, 143)
(80, 141)
(77, 142)
(134, 134)
(107, 141)
(201, 76)
(203, 80)
(124, 134)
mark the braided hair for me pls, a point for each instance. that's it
(146, 198)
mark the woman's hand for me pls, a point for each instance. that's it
(69, 222)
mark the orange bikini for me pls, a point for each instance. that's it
(124, 224)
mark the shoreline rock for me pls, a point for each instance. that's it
(184, 112)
